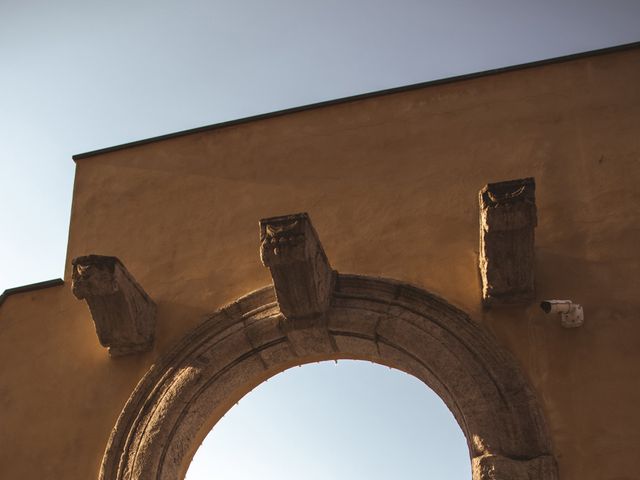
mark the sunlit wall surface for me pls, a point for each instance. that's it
(350, 420)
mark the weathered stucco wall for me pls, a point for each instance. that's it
(391, 184)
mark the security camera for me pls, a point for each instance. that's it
(571, 314)
(556, 306)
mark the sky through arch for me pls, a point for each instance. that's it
(345, 420)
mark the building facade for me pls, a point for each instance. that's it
(390, 182)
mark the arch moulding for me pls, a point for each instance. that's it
(188, 390)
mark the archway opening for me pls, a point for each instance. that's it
(348, 419)
(240, 346)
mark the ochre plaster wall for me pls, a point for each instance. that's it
(391, 185)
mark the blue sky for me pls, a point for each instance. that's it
(81, 75)
(344, 420)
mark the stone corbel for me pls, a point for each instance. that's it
(123, 313)
(302, 276)
(507, 223)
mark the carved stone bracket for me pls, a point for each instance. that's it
(302, 276)
(123, 313)
(507, 223)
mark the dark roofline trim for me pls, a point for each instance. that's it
(415, 86)
(31, 287)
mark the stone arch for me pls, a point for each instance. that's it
(383, 321)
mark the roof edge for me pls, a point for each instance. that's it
(29, 288)
(377, 93)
